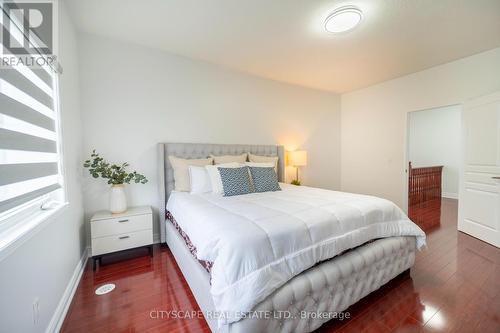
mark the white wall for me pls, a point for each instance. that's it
(134, 97)
(434, 139)
(44, 264)
(373, 120)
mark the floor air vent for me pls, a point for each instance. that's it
(104, 289)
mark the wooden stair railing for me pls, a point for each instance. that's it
(424, 184)
(424, 196)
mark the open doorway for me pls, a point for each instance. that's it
(434, 153)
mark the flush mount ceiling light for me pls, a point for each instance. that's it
(343, 19)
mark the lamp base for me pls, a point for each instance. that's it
(296, 181)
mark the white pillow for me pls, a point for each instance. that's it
(214, 175)
(181, 173)
(200, 182)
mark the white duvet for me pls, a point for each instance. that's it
(257, 242)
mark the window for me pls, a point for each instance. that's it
(30, 152)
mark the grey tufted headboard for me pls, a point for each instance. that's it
(202, 150)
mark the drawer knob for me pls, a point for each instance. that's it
(123, 237)
(121, 221)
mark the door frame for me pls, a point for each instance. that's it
(406, 158)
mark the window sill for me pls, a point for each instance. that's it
(14, 237)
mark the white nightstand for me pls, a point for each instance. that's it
(118, 232)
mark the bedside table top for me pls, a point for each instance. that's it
(131, 211)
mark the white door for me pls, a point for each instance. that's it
(479, 198)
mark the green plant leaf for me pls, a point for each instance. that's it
(114, 173)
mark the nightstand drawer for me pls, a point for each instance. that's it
(121, 242)
(120, 225)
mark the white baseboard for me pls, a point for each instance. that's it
(449, 195)
(63, 306)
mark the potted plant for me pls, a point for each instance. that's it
(117, 176)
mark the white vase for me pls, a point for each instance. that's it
(117, 199)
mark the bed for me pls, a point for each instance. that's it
(285, 261)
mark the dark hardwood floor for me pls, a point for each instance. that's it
(453, 287)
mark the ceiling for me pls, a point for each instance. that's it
(284, 40)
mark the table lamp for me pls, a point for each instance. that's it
(297, 159)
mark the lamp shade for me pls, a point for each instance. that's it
(297, 158)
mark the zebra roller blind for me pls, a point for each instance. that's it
(29, 150)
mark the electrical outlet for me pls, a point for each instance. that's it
(36, 311)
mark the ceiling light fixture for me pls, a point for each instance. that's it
(343, 19)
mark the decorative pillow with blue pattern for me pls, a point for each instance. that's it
(235, 181)
(264, 179)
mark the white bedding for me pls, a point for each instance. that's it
(259, 241)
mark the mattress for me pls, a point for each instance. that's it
(258, 242)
